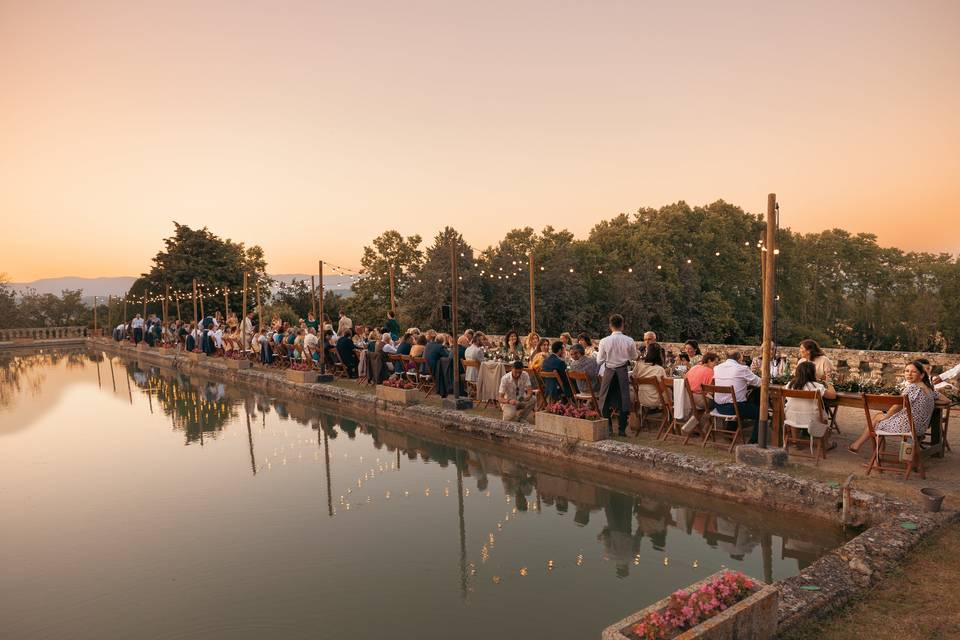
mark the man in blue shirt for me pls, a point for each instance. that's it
(555, 362)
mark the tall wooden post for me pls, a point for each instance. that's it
(533, 300)
(94, 316)
(124, 309)
(243, 314)
(110, 314)
(226, 302)
(259, 306)
(144, 311)
(393, 304)
(203, 314)
(455, 355)
(323, 347)
(313, 299)
(768, 284)
(177, 296)
(194, 301)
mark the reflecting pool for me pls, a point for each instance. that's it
(141, 503)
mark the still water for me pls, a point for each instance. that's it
(140, 503)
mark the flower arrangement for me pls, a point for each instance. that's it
(296, 365)
(688, 609)
(398, 383)
(571, 411)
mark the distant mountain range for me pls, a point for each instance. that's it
(103, 287)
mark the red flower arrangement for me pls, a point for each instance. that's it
(688, 609)
(398, 383)
(572, 411)
(300, 366)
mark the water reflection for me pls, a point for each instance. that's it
(316, 503)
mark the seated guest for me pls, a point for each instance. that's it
(682, 364)
(512, 349)
(531, 344)
(416, 351)
(387, 345)
(543, 350)
(583, 339)
(692, 349)
(474, 352)
(800, 411)
(555, 362)
(733, 373)
(373, 338)
(516, 401)
(191, 340)
(651, 366)
(433, 352)
(406, 345)
(945, 379)
(811, 351)
(579, 361)
(648, 338)
(701, 374)
(266, 353)
(922, 396)
(311, 344)
(567, 340)
(347, 355)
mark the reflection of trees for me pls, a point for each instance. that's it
(198, 408)
(22, 372)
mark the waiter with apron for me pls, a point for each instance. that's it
(613, 356)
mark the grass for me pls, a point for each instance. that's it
(920, 600)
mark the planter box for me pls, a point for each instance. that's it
(142, 346)
(193, 356)
(399, 396)
(567, 427)
(237, 364)
(294, 375)
(753, 618)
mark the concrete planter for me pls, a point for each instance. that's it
(232, 363)
(398, 396)
(294, 375)
(142, 346)
(194, 356)
(753, 618)
(567, 427)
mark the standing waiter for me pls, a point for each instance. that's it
(613, 356)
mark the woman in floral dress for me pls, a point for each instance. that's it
(922, 399)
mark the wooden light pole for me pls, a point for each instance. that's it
(769, 271)
(95, 318)
(323, 351)
(259, 306)
(533, 302)
(110, 314)
(177, 296)
(124, 309)
(313, 299)
(226, 302)
(243, 316)
(455, 355)
(194, 301)
(166, 303)
(202, 312)
(393, 304)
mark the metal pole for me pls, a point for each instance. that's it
(393, 304)
(533, 303)
(453, 318)
(768, 284)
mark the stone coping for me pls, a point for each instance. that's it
(823, 586)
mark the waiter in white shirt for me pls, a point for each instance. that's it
(733, 373)
(137, 325)
(613, 356)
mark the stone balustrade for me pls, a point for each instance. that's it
(44, 333)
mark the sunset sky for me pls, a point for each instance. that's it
(311, 127)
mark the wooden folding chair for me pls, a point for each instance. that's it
(672, 425)
(364, 379)
(468, 366)
(538, 387)
(699, 410)
(396, 361)
(424, 381)
(581, 398)
(816, 446)
(736, 435)
(557, 380)
(642, 411)
(883, 461)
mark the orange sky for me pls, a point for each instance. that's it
(310, 127)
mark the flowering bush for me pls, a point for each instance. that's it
(572, 411)
(398, 383)
(688, 609)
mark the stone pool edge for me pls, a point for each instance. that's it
(822, 587)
